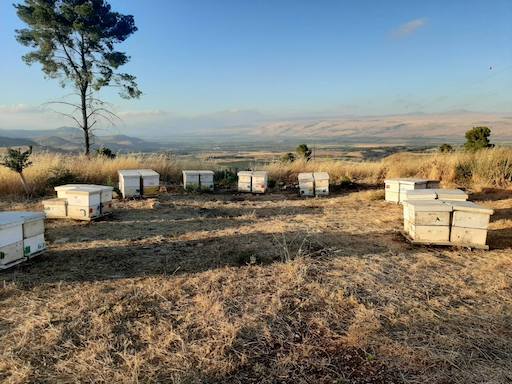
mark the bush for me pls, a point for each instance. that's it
(105, 152)
(60, 176)
(478, 138)
(463, 173)
(446, 148)
(288, 158)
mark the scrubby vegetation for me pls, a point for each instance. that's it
(488, 168)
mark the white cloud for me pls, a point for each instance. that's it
(408, 28)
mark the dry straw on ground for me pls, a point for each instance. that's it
(191, 289)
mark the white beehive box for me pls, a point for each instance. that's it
(306, 184)
(106, 194)
(11, 240)
(245, 181)
(130, 183)
(396, 189)
(470, 223)
(84, 203)
(321, 183)
(259, 181)
(33, 233)
(150, 182)
(55, 208)
(198, 180)
(252, 181)
(427, 221)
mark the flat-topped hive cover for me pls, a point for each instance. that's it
(129, 172)
(85, 190)
(259, 174)
(25, 216)
(468, 206)
(193, 172)
(306, 176)
(321, 176)
(244, 173)
(428, 206)
(420, 194)
(406, 180)
(147, 172)
(10, 219)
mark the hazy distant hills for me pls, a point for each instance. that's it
(67, 139)
(449, 125)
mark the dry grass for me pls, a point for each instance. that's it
(190, 289)
(485, 169)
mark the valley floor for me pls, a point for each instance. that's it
(258, 289)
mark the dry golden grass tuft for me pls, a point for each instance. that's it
(192, 290)
(484, 169)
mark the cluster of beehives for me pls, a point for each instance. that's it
(439, 216)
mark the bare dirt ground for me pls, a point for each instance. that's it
(258, 289)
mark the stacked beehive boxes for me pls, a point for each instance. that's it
(21, 237)
(427, 221)
(138, 182)
(80, 202)
(469, 223)
(447, 222)
(198, 180)
(252, 181)
(313, 183)
(396, 189)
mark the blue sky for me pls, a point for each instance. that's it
(195, 58)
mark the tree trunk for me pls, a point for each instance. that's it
(24, 183)
(85, 121)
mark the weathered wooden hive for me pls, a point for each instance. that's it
(469, 223)
(129, 183)
(395, 189)
(198, 180)
(84, 203)
(11, 240)
(321, 183)
(138, 182)
(313, 183)
(56, 208)
(21, 237)
(306, 184)
(427, 221)
(106, 194)
(252, 181)
(150, 181)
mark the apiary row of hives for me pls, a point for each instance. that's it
(447, 222)
(21, 237)
(79, 202)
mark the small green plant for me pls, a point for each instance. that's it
(303, 152)
(446, 148)
(105, 152)
(478, 138)
(271, 183)
(288, 158)
(17, 160)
